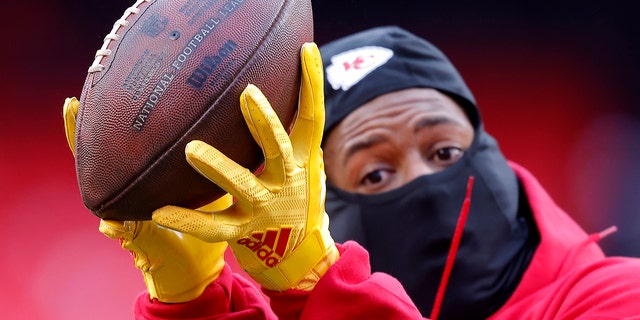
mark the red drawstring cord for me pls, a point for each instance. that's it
(592, 238)
(602, 234)
(453, 250)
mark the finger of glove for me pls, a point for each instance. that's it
(69, 114)
(219, 204)
(112, 229)
(268, 132)
(306, 135)
(221, 170)
(201, 225)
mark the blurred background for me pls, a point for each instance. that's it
(556, 83)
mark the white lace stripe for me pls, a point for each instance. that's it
(113, 36)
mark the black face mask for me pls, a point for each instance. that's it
(408, 232)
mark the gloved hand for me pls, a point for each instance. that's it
(176, 267)
(277, 228)
(69, 114)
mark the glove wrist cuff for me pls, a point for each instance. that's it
(166, 288)
(308, 262)
(311, 279)
(177, 286)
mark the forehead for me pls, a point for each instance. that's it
(397, 108)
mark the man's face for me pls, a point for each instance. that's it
(395, 138)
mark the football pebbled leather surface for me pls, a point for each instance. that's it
(172, 71)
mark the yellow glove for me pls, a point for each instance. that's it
(176, 267)
(277, 228)
(69, 114)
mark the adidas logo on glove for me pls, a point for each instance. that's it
(269, 246)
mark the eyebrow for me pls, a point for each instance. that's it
(375, 139)
(364, 144)
(434, 121)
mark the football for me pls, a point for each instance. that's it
(172, 71)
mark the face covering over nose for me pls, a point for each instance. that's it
(408, 232)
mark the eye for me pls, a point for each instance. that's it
(447, 156)
(376, 178)
(372, 177)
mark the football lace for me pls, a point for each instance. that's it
(113, 36)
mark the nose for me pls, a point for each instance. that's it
(416, 166)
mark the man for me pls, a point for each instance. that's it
(403, 141)
(403, 136)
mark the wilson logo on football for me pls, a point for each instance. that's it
(269, 246)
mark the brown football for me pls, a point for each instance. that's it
(172, 71)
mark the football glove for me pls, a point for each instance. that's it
(176, 267)
(277, 228)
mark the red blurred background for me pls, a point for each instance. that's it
(556, 83)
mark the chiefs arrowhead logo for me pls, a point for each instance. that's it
(269, 246)
(349, 67)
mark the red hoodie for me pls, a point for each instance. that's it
(568, 278)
